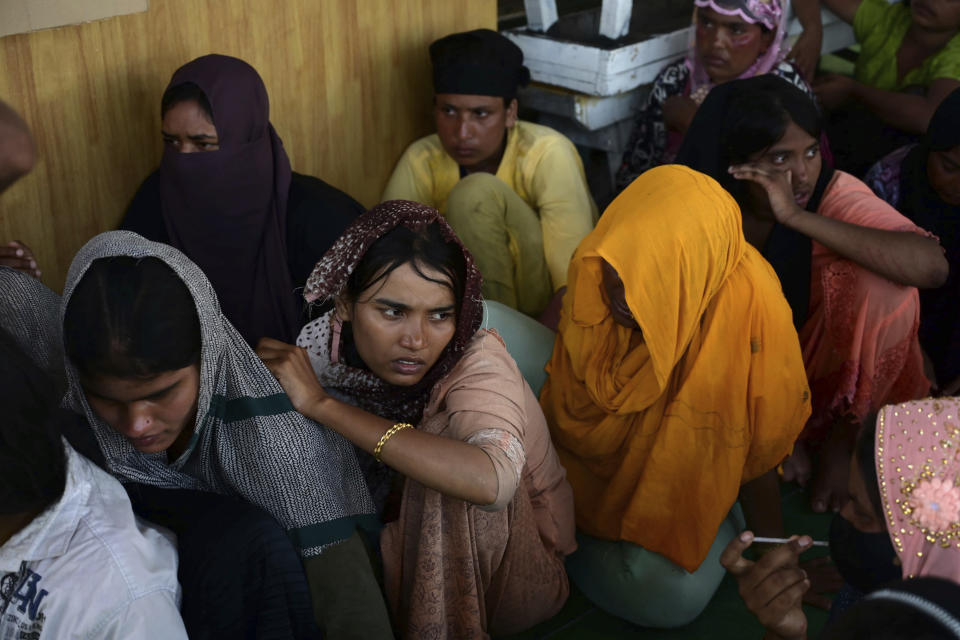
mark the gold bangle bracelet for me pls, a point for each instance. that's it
(400, 426)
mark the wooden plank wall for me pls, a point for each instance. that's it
(348, 80)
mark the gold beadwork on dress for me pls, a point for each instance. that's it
(934, 476)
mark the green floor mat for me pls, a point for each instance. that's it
(725, 617)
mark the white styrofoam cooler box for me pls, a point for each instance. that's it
(596, 71)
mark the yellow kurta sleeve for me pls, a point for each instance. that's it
(412, 178)
(567, 211)
(539, 164)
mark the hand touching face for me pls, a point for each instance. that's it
(785, 174)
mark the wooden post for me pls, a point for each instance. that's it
(541, 14)
(615, 18)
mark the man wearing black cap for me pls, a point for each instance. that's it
(515, 192)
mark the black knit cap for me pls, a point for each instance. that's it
(480, 62)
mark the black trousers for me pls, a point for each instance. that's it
(241, 575)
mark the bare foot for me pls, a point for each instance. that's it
(797, 467)
(833, 472)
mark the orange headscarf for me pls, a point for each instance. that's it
(658, 433)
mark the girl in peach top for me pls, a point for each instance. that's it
(849, 264)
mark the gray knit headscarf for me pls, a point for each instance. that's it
(27, 312)
(248, 440)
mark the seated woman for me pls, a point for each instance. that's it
(676, 384)
(848, 263)
(235, 208)
(902, 521)
(485, 512)
(188, 417)
(733, 39)
(909, 62)
(923, 183)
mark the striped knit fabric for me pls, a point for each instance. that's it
(248, 442)
(27, 312)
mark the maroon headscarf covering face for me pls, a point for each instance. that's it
(227, 209)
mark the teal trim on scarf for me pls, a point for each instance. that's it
(242, 408)
(324, 533)
(246, 407)
(248, 440)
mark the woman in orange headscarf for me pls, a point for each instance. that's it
(676, 378)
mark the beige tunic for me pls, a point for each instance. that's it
(457, 570)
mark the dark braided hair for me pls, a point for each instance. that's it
(131, 318)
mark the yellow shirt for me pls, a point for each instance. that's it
(880, 28)
(541, 165)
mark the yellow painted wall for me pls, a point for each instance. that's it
(349, 85)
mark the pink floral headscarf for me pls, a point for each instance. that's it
(768, 13)
(918, 468)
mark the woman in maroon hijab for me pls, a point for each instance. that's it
(225, 195)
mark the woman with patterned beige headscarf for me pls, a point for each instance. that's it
(452, 442)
